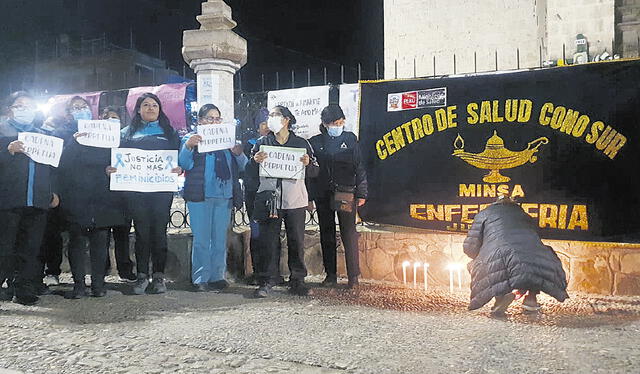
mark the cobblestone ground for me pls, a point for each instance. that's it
(378, 329)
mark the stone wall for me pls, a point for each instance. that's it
(600, 268)
(423, 29)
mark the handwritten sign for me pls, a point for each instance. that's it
(216, 137)
(349, 102)
(42, 149)
(101, 134)
(282, 162)
(144, 171)
(305, 103)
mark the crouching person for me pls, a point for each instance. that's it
(509, 258)
(91, 209)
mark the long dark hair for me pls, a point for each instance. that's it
(137, 123)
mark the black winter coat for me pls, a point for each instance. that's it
(85, 197)
(340, 164)
(508, 254)
(14, 176)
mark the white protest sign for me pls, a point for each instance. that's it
(101, 134)
(43, 149)
(216, 137)
(282, 162)
(144, 171)
(305, 103)
(349, 102)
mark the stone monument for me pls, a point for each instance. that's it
(215, 52)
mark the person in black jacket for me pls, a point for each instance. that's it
(91, 209)
(121, 233)
(250, 184)
(150, 130)
(342, 171)
(26, 193)
(64, 127)
(290, 202)
(509, 257)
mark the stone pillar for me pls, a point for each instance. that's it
(215, 53)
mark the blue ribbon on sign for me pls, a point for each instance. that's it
(119, 161)
(169, 162)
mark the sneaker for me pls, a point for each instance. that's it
(502, 303)
(43, 289)
(51, 280)
(262, 292)
(298, 288)
(218, 285)
(157, 284)
(200, 287)
(6, 294)
(128, 277)
(79, 291)
(330, 281)
(142, 282)
(530, 303)
(353, 283)
(98, 292)
(26, 299)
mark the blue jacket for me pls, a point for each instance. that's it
(200, 179)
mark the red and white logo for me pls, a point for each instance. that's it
(409, 100)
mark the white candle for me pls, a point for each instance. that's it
(404, 272)
(416, 265)
(425, 266)
(459, 277)
(450, 279)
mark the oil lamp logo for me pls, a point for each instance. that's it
(496, 156)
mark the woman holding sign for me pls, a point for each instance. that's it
(284, 160)
(150, 130)
(90, 208)
(26, 193)
(340, 188)
(211, 187)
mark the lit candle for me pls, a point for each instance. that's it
(404, 272)
(425, 266)
(450, 267)
(459, 276)
(416, 265)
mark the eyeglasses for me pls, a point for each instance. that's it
(215, 120)
(79, 107)
(275, 114)
(21, 107)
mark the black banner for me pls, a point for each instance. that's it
(563, 142)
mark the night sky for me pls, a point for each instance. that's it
(282, 34)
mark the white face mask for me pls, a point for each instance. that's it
(275, 124)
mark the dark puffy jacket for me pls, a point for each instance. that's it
(85, 197)
(340, 164)
(508, 254)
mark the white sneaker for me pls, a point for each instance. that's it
(51, 280)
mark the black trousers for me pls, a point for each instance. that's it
(51, 248)
(97, 240)
(121, 248)
(21, 235)
(348, 234)
(268, 256)
(150, 212)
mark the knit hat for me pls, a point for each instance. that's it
(261, 116)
